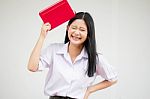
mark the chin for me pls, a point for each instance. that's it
(76, 42)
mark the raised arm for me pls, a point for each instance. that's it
(35, 55)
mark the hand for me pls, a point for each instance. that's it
(44, 29)
(87, 94)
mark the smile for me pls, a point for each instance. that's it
(75, 38)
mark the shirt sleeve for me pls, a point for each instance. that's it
(105, 70)
(46, 58)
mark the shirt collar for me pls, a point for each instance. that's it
(64, 50)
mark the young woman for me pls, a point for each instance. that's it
(73, 65)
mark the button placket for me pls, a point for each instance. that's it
(72, 78)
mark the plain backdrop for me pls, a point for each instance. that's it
(122, 34)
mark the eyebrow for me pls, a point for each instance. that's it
(79, 27)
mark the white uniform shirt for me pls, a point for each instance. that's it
(65, 78)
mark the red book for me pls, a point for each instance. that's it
(57, 13)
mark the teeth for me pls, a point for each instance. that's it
(75, 38)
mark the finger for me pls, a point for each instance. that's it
(48, 27)
(47, 24)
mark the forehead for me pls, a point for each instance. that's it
(79, 22)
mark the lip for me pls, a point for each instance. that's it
(75, 38)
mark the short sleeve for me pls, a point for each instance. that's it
(105, 70)
(46, 58)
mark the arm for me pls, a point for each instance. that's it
(99, 86)
(35, 55)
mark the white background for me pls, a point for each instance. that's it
(122, 33)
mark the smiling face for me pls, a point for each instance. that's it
(77, 32)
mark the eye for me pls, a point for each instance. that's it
(82, 29)
(73, 27)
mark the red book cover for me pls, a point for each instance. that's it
(57, 13)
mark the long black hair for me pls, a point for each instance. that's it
(90, 42)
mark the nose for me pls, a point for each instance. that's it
(77, 32)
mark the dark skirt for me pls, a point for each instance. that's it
(60, 97)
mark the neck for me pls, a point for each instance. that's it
(74, 50)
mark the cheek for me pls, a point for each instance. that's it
(69, 30)
(85, 35)
(69, 34)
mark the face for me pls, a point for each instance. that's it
(77, 32)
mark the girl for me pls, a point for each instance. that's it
(74, 64)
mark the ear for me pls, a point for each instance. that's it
(67, 28)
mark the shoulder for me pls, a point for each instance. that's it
(100, 58)
(99, 55)
(56, 45)
(52, 46)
